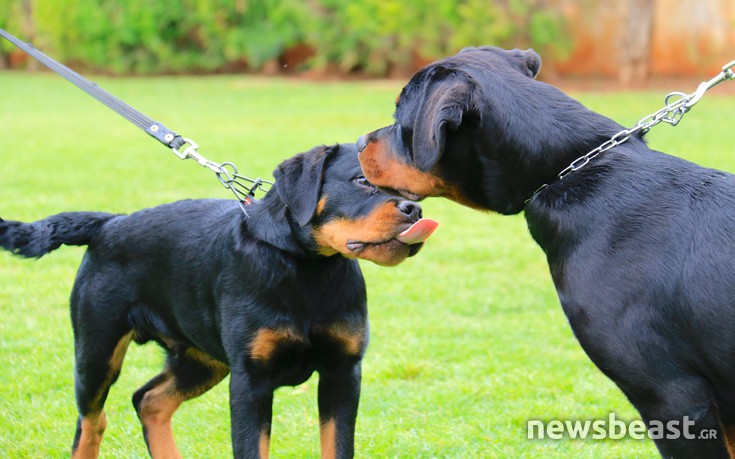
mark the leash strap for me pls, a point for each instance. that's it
(153, 128)
(242, 187)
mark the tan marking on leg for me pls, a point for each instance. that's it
(328, 439)
(116, 361)
(155, 411)
(118, 355)
(93, 427)
(265, 443)
(219, 371)
(159, 404)
(729, 432)
(267, 340)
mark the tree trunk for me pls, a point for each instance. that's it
(635, 53)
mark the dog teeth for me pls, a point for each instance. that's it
(411, 196)
(355, 246)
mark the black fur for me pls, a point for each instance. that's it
(34, 240)
(640, 244)
(254, 296)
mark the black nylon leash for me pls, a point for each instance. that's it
(153, 128)
(242, 187)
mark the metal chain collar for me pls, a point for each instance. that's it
(676, 105)
(242, 187)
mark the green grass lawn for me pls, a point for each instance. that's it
(468, 339)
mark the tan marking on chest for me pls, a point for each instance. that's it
(351, 338)
(267, 340)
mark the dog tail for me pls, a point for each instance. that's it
(34, 240)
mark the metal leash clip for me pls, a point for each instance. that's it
(242, 187)
(726, 74)
(191, 152)
(676, 105)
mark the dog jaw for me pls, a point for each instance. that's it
(386, 170)
(371, 238)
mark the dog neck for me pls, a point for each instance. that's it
(516, 162)
(269, 221)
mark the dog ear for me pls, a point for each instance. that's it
(531, 61)
(299, 182)
(447, 100)
(527, 62)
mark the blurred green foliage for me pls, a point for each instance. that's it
(371, 36)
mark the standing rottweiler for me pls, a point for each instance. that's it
(641, 245)
(270, 297)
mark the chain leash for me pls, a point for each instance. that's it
(676, 104)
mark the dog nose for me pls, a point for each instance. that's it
(361, 143)
(411, 209)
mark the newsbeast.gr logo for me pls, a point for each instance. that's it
(616, 429)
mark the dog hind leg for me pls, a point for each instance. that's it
(95, 374)
(188, 374)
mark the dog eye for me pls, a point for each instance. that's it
(363, 182)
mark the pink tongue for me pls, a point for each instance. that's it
(418, 232)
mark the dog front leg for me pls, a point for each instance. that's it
(251, 406)
(339, 396)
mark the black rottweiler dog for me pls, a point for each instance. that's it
(270, 297)
(641, 245)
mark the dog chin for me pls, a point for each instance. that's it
(413, 249)
(388, 253)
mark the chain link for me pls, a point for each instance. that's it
(676, 105)
(242, 187)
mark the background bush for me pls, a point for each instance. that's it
(377, 37)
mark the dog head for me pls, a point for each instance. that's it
(340, 212)
(467, 127)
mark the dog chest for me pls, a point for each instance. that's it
(288, 355)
